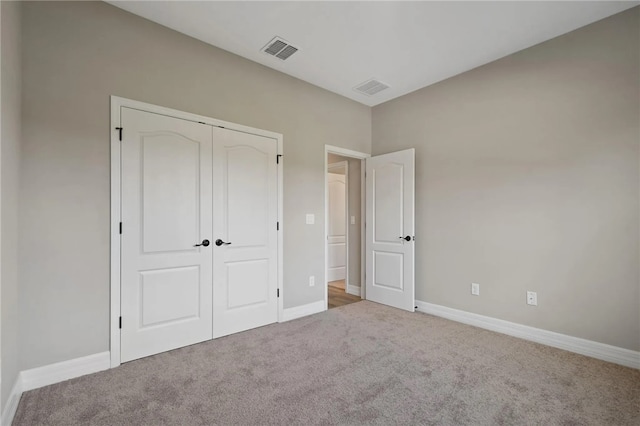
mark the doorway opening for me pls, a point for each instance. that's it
(344, 226)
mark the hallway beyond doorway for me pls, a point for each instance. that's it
(338, 296)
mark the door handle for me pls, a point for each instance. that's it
(204, 243)
(219, 242)
(407, 238)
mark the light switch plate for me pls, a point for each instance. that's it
(475, 289)
(353, 220)
(311, 218)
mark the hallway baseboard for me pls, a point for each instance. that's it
(353, 289)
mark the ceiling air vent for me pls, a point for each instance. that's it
(279, 48)
(371, 87)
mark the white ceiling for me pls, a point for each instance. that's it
(407, 45)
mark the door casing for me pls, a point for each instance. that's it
(359, 156)
(116, 202)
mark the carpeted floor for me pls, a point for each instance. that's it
(358, 364)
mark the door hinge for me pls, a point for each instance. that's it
(278, 158)
(278, 292)
(277, 226)
(120, 228)
(120, 322)
(119, 129)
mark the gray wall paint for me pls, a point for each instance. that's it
(77, 54)
(527, 178)
(355, 246)
(10, 123)
(527, 172)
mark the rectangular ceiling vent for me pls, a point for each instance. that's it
(371, 87)
(279, 48)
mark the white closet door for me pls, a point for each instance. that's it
(166, 280)
(245, 236)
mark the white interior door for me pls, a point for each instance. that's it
(245, 219)
(166, 280)
(337, 235)
(390, 229)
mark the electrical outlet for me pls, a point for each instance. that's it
(353, 220)
(475, 289)
(532, 298)
(310, 219)
(312, 281)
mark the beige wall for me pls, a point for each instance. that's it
(527, 172)
(527, 178)
(10, 124)
(355, 243)
(75, 56)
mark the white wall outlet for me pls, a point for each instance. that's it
(312, 281)
(311, 218)
(532, 298)
(353, 220)
(475, 289)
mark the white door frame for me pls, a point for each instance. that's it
(360, 156)
(116, 202)
(344, 165)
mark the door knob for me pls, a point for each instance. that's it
(407, 238)
(204, 243)
(219, 242)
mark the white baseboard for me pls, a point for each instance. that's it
(49, 374)
(65, 370)
(353, 289)
(336, 274)
(602, 351)
(304, 310)
(12, 403)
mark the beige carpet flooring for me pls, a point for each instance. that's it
(358, 364)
